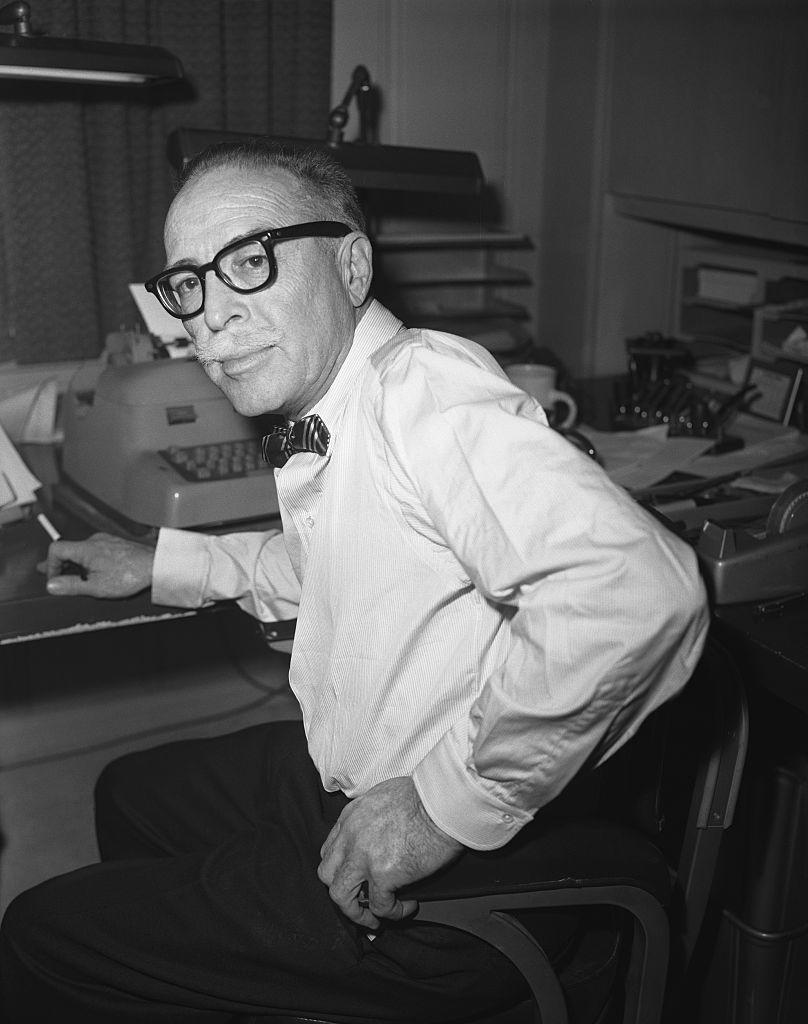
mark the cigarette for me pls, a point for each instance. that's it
(48, 527)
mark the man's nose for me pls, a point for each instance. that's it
(222, 304)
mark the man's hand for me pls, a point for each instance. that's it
(112, 566)
(384, 838)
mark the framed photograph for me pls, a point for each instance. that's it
(777, 386)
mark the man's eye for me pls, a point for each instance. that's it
(256, 263)
(185, 286)
(246, 267)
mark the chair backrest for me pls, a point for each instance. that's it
(713, 712)
(685, 799)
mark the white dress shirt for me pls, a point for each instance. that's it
(477, 605)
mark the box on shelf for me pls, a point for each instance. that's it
(780, 331)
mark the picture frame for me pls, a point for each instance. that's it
(778, 385)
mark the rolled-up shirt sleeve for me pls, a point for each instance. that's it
(253, 569)
(607, 613)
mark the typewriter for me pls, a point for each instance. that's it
(157, 444)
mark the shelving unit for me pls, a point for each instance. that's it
(705, 312)
(726, 333)
(458, 281)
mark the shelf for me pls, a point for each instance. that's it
(731, 323)
(440, 311)
(483, 239)
(505, 276)
(454, 280)
(743, 309)
(713, 219)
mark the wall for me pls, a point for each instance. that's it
(522, 83)
(459, 74)
(540, 89)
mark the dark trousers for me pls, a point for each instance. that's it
(207, 906)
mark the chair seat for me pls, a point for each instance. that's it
(545, 856)
(554, 855)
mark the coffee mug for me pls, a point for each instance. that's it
(539, 381)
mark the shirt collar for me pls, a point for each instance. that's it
(375, 328)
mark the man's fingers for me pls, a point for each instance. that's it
(384, 903)
(352, 901)
(386, 837)
(330, 839)
(53, 563)
(67, 586)
(61, 551)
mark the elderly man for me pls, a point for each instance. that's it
(480, 613)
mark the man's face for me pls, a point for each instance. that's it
(278, 349)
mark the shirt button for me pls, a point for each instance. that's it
(507, 817)
(309, 521)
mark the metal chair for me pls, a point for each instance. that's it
(667, 798)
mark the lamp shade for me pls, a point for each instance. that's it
(404, 168)
(26, 55)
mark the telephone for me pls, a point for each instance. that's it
(157, 444)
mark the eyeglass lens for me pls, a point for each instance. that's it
(245, 267)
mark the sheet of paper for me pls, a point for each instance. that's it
(159, 323)
(19, 483)
(7, 495)
(764, 441)
(29, 414)
(639, 458)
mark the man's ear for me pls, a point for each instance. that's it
(358, 267)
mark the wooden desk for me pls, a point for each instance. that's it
(29, 612)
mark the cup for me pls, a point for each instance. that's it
(539, 381)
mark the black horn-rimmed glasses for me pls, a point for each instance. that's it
(246, 265)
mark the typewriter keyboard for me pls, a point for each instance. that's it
(224, 460)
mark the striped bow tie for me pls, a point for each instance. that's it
(287, 439)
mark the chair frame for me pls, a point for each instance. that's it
(487, 917)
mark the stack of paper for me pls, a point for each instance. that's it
(637, 459)
(17, 484)
(29, 414)
(168, 331)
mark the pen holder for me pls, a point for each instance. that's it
(686, 410)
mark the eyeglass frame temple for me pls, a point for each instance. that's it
(325, 229)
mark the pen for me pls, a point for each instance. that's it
(725, 410)
(48, 527)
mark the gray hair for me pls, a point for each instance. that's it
(324, 184)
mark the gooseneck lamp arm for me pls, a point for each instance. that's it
(338, 118)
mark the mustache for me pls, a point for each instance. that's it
(235, 346)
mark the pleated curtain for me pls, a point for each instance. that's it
(84, 179)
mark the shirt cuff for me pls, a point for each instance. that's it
(181, 562)
(457, 802)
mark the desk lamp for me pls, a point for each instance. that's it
(25, 53)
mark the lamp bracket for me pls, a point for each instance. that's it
(19, 15)
(338, 118)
